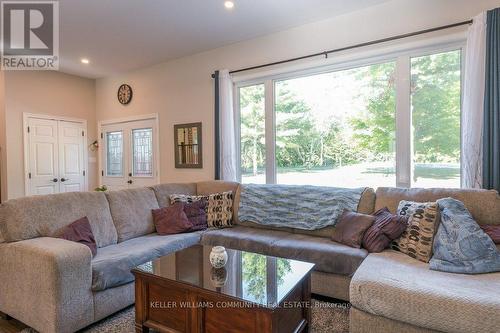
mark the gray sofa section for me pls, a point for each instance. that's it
(43, 216)
(329, 257)
(131, 211)
(46, 284)
(112, 265)
(55, 285)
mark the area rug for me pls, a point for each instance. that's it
(327, 317)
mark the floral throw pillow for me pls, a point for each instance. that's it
(219, 208)
(423, 219)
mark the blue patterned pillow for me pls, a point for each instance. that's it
(460, 246)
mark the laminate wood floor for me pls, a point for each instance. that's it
(10, 326)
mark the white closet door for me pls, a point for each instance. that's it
(43, 157)
(71, 157)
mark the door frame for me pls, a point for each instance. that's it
(151, 116)
(26, 144)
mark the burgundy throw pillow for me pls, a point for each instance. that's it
(386, 228)
(197, 214)
(351, 227)
(80, 232)
(171, 220)
(493, 231)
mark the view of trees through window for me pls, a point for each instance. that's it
(435, 102)
(339, 128)
(252, 128)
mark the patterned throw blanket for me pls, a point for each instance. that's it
(299, 207)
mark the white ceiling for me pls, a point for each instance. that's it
(121, 35)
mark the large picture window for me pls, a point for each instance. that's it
(435, 103)
(392, 123)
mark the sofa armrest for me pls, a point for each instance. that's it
(45, 283)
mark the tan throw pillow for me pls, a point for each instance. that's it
(219, 209)
(416, 241)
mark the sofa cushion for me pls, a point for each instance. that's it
(484, 205)
(395, 286)
(219, 207)
(132, 212)
(171, 220)
(164, 191)
(243, 238)
(112, 265)
(329, 257)
(219, 186)
(493, 231)
(351, 228)
(386, 228)
(196, 214)
(423, 219)
(80, 231)
(45, 215)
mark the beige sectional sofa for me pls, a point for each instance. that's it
(54, 285)
(391, 292)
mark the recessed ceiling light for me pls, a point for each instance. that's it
(85, 61)
(229, 4)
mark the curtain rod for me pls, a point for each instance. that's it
(378, 41)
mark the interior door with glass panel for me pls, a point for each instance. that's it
(129, 158)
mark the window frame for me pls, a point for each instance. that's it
(404, 131)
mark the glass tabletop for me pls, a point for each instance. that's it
(248, 276)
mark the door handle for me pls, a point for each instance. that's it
(64, 179)
(130, 182)
(54, 180)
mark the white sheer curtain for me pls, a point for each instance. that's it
(473, 104)
(228, 157)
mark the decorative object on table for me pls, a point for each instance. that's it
(218, 277)
(94, 146)
(219, 209)
(416, 241)
(351, 228)
(102, 188)
(386, 228)
(460, 245)
(218, 256)
(124, 94)
(188, 146)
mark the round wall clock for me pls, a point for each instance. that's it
(124, 94)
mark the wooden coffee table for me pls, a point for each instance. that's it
(181, 292)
